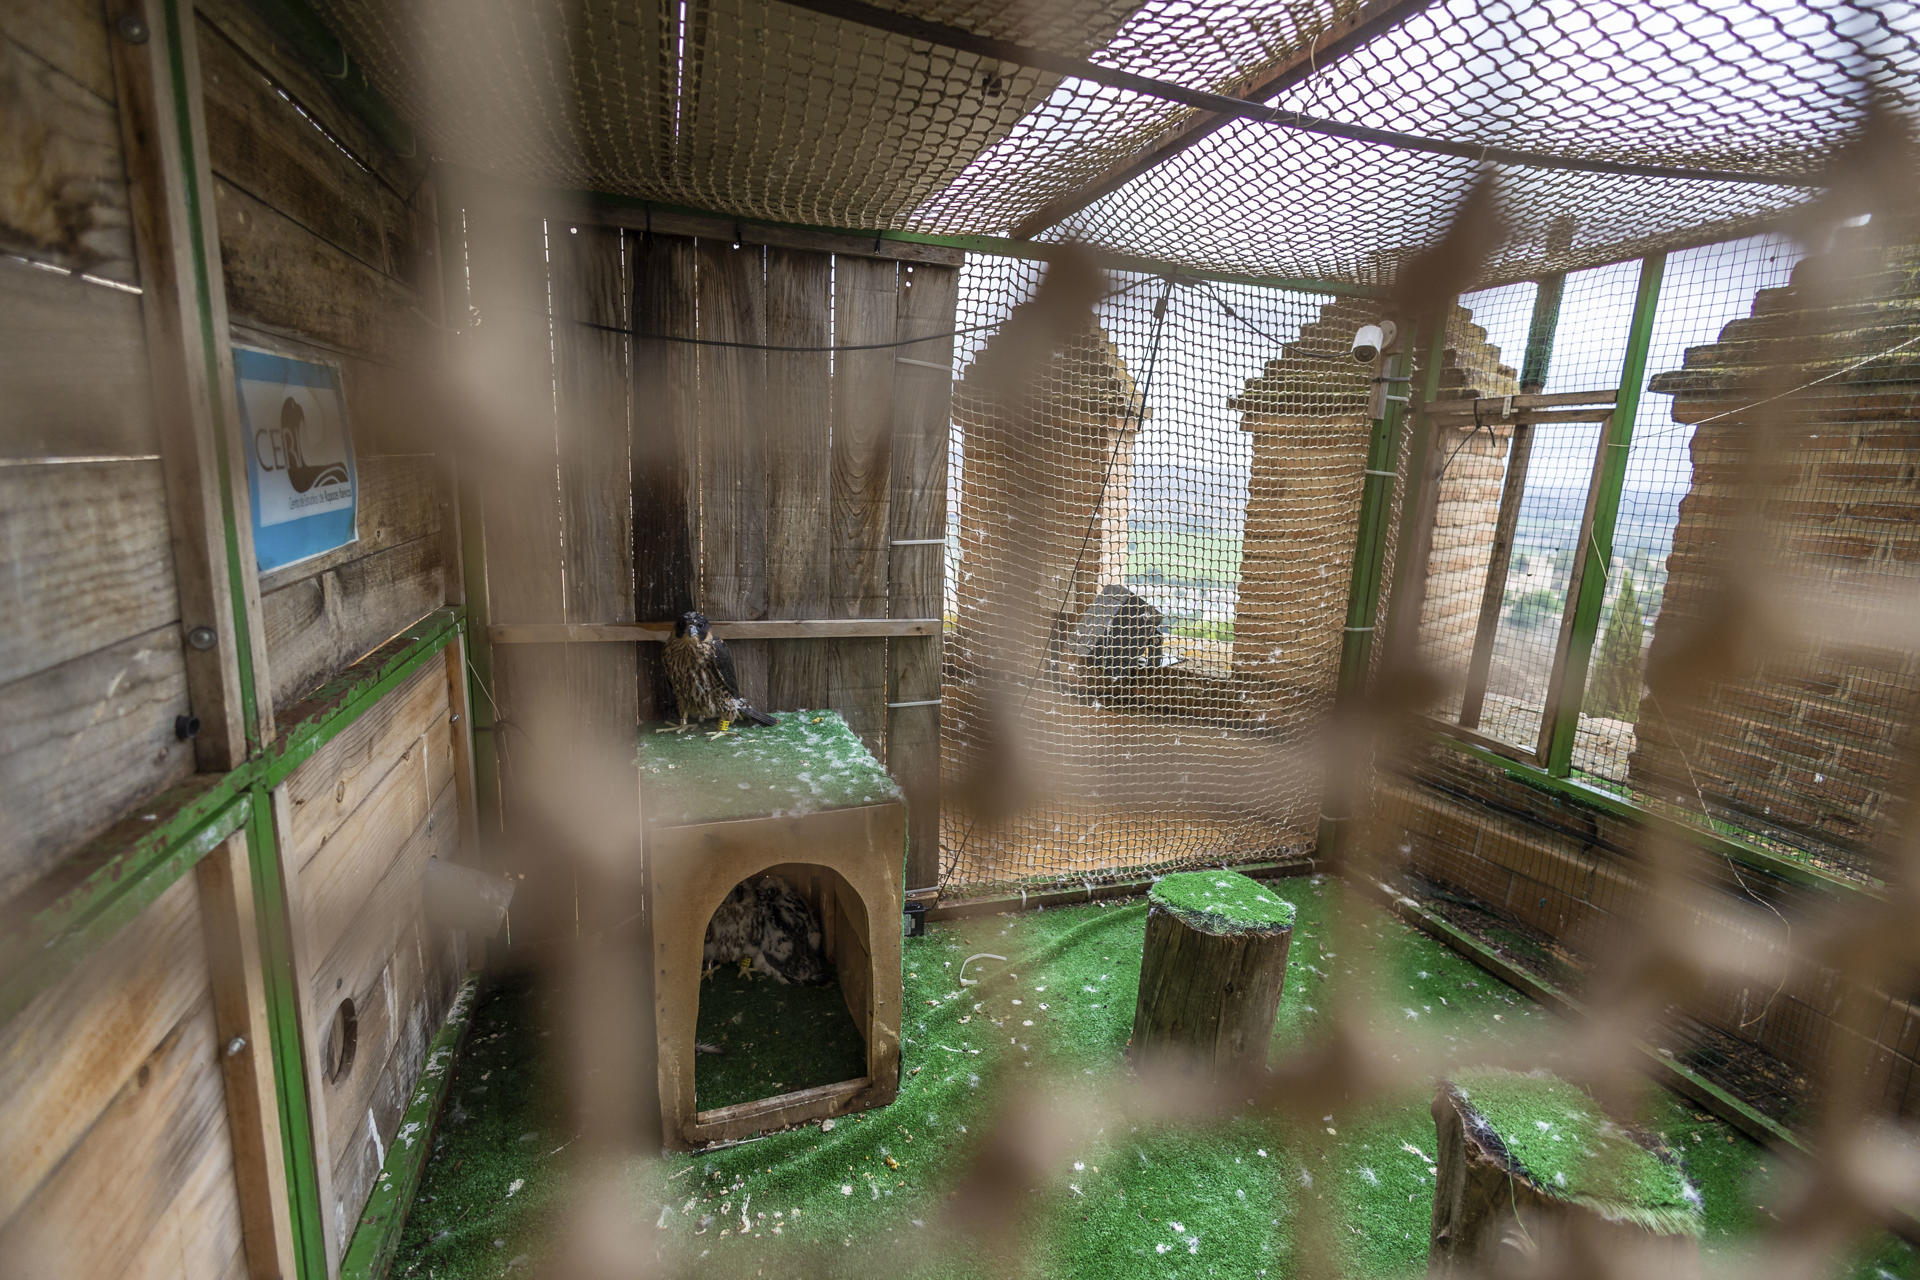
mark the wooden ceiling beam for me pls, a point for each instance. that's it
(1332, 44)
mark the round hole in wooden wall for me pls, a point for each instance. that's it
(343, 1035)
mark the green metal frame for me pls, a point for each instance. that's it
(1598, 553)
(1419, 461)
(1370, 549)
(1591, 796)
(369, 1255)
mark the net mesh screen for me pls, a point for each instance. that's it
(759, 109)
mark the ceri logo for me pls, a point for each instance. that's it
(300, 461)
(307, 455)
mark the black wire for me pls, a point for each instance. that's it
(769, 346)
(855, 346)
(1298, 350)
(1137, 414)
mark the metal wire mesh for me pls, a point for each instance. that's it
(1703, 290)
(759, 109)
(1150, 556)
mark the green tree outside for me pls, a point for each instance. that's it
(1613, 688)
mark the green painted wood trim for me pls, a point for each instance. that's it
(199, 204)
(1581, 792)
(1609, 481)
(64, 932)
(283, 1028)
(1412, 501)
(347, 698)
(376, 1239)
(1369, 553)
(1665, 1070)
(106, 883)
(997, 246)
(314, 42)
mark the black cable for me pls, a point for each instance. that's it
(855, 346)
(1136, 415)
(1298, 350)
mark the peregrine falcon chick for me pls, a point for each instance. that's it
(700, 669)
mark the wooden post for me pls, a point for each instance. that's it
(1213, 971)
(1487, 1205)
(157, 81)
(232, 938)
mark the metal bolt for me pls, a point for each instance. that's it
(202, 638)
(133, 29)
(235, 1045)
(454, 718)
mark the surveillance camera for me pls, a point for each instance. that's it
(1371, 339)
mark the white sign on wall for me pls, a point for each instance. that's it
(299, 456)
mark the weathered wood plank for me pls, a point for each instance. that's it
(865, 306)
(285, 278)
(317, 626)
(755, 629)
(592, 283)
(262, 143)
(73, 358)
(800, 445)
(664, 447)
(231, 933)
(665, 222)
(381, 964)
(254, 34)
(330, 787)
(400, 500)
(917, 524)
(113, 1207)
(512, 375)
(86, 557)
(63, 184)
(734, 483)
(70, 37)
(195, 399)
(85, 742)
(337, 882)
(68, 1052)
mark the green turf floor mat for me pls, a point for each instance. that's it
(773, 1038)
(1043, 992)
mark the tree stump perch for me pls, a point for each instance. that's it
(1213, 970)
(1526, 1163)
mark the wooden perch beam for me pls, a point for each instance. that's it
(1338, 40)
(757, 629)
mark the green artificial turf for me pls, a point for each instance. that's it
(773, 1038)
(807, 761)
(1559, 1136)
(1221, 901)
(1131, 1201)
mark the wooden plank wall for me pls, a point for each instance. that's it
(327, 244)
(763, 483)
(374, 979)
(115, 1151)
(92, 675)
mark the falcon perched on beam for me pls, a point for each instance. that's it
(704, 683)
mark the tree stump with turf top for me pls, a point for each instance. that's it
(1528, 1165)
(1212, 973)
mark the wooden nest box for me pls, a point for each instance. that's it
(805, 801)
